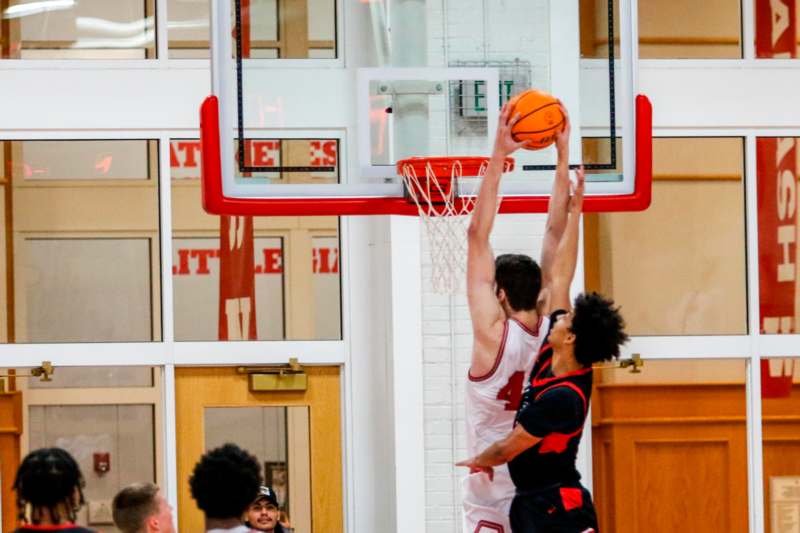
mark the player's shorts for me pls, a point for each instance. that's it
(487, 503)
(559, 509)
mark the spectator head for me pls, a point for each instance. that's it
(49, 487)
(264, 513)
(224, 481)
(141, 508)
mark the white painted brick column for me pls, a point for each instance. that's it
(447, 345)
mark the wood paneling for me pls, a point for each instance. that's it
(197, 388)
(695, 473)
(673, 456)
(10, 431)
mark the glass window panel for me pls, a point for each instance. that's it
(594, 29)
(85, 160)
(780, 403)
(678, 268)
(196, 286)
(779, 277)
(263, 19)
(327, 290)
(79, 29)
(711, 29)
(124, 432)
(671, 442)
(272, 29)
(322, 21)
(279, 438)
(100, 291)
(668, 29)
(80, 241)
(295, 264)
(322, 53)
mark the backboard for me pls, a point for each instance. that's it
(425, 78)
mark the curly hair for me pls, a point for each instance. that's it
(520, 277)
(47, 479)
(224, 481)
(598, 327)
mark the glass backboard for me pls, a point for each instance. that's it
(422, 78)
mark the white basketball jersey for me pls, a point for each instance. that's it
(492, 401)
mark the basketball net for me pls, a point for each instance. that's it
(445, 213)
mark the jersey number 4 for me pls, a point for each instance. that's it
(512, 392)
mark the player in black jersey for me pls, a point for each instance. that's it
(542, 448)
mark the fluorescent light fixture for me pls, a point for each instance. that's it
(137, 41)
(187, 24)
(34, 8)
(97, 25)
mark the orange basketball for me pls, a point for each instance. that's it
(540, 118)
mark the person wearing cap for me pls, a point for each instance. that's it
(264, 513)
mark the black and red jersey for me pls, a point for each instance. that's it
(553, 408)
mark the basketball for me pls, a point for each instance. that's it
(540, 118)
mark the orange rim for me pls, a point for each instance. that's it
(442, 167)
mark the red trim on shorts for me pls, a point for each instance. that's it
(493, 526)
(571, 498)
(527, 330)
(497, 359)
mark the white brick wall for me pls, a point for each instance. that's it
(447, 345)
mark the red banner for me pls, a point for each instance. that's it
(776, 28)
(237, 292)
(776, 37)
(777, 251)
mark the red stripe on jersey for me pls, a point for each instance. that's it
(571, 386)
(558, 442)
(545, 364)
(538, 382)
(497, 359)
(527, 329)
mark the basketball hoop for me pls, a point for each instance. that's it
(434, 185)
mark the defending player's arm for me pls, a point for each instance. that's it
(485, 311)
(501, 451)
(559, 410)
(557, 206)
(566, 256)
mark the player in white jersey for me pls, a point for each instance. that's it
(508, 302)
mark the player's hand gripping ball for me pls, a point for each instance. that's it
(540, 120)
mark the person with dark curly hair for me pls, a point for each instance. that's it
(542, 448)
(223, 483)
(49, 487)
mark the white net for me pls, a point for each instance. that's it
(445, 210)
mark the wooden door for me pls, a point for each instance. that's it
(10, 431)
(199, 391)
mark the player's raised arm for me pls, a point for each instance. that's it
(557, 206)
(566, 256)
(485, 310)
